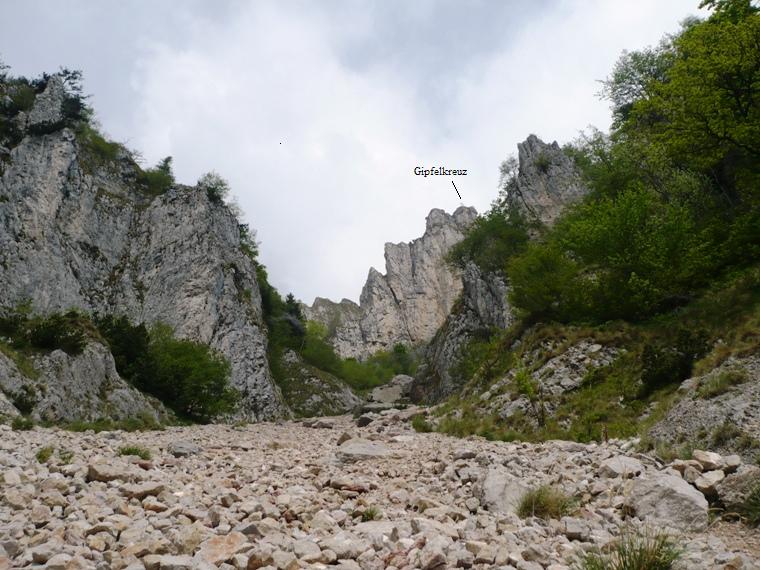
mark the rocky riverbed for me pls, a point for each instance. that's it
(328, 494)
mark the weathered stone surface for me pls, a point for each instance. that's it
(693, 415)
(668, 500)
(313, 392)
(395, 391)
(359, 449)
(483, 305)
(74, 234)
(501, 492)
(82, 387)
(733, 490)
(620, 466)
(410, 302)
(182, 448)
(547, 181)
(708, 459)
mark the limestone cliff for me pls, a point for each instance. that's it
(76, 230)
(547, 181)
(410, 302)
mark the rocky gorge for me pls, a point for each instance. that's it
(328, 494)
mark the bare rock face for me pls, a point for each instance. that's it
(483, 305)
(547, 181)
(410, 302)
(77, 232)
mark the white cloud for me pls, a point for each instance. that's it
(321, 154)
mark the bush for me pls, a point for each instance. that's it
(21, 423)
(189, 377)
(420, 424)
(491, 241)
(136, 450)
(217, 188)
(664, 364)
(44, 453)
(634, 551)
(750, 508)
(65, 332)
(545, 502)
(159, 179)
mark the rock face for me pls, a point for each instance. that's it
(738, 407)
(410, 302)
(67, 388)
(313, 392)
(547, 181)
(77, 231)
(482, 306)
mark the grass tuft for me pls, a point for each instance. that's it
(44, 453)
(721, 383)
(647, 550)
(546, 503)
(140, 452)
(21, 423)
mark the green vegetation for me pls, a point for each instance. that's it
(157, 180)
(647, 550)
(22, 423)
(658, 261)
(44, 453)
(67, 331)
(371, 513)
(217, 188)
(546, 503)
(187, 376)
(65, 456)
(750, 509)
(135, 450)
(420, 424)
(141, 423)
(721, 383)
(288, 330)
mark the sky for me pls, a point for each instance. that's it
(318, 112)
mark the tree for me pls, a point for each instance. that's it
(217, 188)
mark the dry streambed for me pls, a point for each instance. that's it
(328, 494)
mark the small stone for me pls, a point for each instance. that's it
(707, 481)
(183, 448)
(221, 548)
(620, 466)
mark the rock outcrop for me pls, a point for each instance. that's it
(67, 388)
(727, 419)
(78, 231)
(410, 302)
(313, 392)
(482, 306)
(547, 181)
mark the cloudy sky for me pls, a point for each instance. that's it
(317, 112)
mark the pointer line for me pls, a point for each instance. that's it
(455, 188)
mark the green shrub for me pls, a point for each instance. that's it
(371, 513)
(420, 424)
(217, 188)
(136, 450)
(100, 149)
(44, 453)
(545, 502)
(65, 332)
(65, 456)
(21, 423)
(721, 383)
(725, 433)
(142, 423)
(647, 550)
(671, 362)
(189, 377)
(158, 179)
(492, 240)
(750, 508)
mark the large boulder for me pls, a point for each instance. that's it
(666, 500)
(734, 489)
(359, 449)
(500, 491)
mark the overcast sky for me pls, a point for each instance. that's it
(317, 112)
